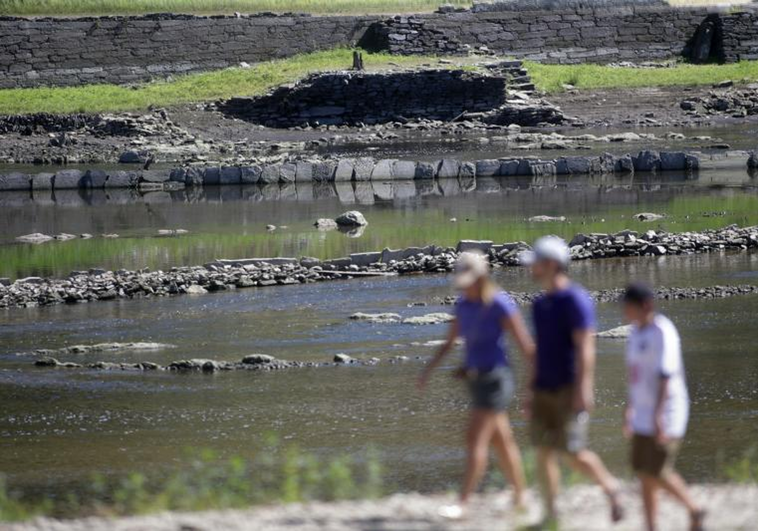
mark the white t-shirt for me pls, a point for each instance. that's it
(652, 352)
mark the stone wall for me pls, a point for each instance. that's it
(50, 51)
(352, 98)
(47, 51)
(576, 35)
(350, 170)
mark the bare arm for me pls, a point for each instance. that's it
(660, 433)
(514, 324)
(452, 334)
(584, 345)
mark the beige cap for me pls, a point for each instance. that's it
(471, 266)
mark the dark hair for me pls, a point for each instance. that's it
(638, 293)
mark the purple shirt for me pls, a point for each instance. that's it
(556, 317)
(481, 326)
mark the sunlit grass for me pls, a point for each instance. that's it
(552, 78)
(108, 7)
(190, 88)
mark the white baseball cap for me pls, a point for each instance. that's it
(547, 248)
(471, 266)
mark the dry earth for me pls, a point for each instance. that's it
(583, 508)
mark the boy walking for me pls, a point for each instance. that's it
(658, 408)
(563, 386)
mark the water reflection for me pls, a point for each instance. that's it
(230, 221)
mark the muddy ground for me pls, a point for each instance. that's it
(201, 133)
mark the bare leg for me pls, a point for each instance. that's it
(649, 499)
(675, 485)
(550, 478)
(589, 464)
(480, 430)
(509, 457)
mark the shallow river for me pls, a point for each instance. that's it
(230, 222)
(58, 426)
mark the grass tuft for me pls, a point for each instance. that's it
(122, 7)
(552, 78)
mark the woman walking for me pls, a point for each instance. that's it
(483, 314)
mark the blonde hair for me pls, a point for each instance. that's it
(490, 289)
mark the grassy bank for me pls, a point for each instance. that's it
(190, 88)
(208, 481)
(109, 7)
(552, 78)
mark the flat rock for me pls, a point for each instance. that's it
(620, 332)
(376, 317)
(429, 319)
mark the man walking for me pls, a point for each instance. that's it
(658, 408)
(563, 386)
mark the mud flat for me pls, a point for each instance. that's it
(582, 507)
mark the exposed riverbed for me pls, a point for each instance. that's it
(61, 425)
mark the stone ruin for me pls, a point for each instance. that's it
(351, 98)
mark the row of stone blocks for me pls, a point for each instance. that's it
(359, 169)
(386, 256)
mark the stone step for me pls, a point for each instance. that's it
(523, 87)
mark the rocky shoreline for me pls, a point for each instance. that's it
(221, 275)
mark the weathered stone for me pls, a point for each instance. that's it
(68, 179)
(15, 181)
(482, 246)
(448, 169)
(647, 161)
(230, 175)
(287, 172)
(352, 218)
(345, 170)
(425, 170)
(488, 168)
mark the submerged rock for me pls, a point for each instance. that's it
(429, 319)
(376, 317)
(620, 332)
(546, 219)
(352, 218)
(648, 216)
(36, 237)
(325, 224)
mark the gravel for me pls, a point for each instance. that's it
(583, 507)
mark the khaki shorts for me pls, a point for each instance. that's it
(651, 458)
(554, 423)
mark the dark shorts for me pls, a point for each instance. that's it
(492, 390)
(554, 424)
(651, 458)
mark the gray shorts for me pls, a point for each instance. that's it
(492, 390)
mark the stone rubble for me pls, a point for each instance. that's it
(253, 362)
(222, 275)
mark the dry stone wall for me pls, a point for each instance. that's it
(574, 35)
(352, 98)
(50, 51)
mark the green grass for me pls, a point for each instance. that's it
(551, 78)
(207, 481)
(190, 88)
(109, 7)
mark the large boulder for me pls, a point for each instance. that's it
(647, 161)
(752, 161)
(14, 181)
(68, 179)
(352, 218)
